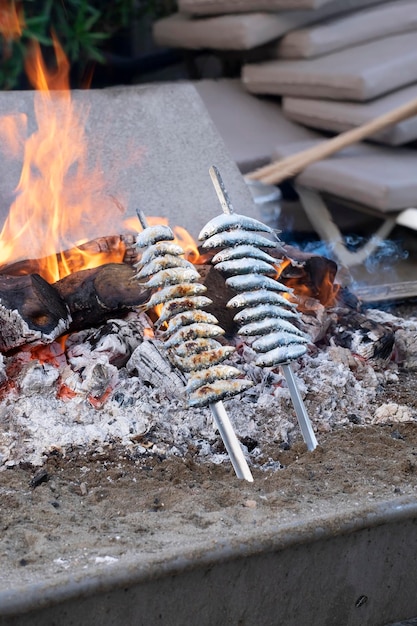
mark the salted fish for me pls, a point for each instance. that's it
(162, 263)
(216, 391)
(195, 346)
(245, 266)
(227, 221)
(180, 305)
(240, 252)
(204, 360)
(259, 296)
(189, 317)
(282, 354)
(254, 313)
(275, 340)
(194, 331)
(153, 234)
(181, 290)
(173, 276)
(269, 325)
(248, 282)
(217, 372)
(238, 237)
(161, 248)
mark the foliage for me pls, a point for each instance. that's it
(83, 28)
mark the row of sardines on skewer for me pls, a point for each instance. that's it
(190, 334)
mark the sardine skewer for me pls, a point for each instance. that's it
(300, 410)
(218, 411)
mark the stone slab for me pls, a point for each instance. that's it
(214, 7)
(154, 144)
(241, 31)
(381, 178)
(359, 73)
(251, 127)
(336, 116)
(350, 30)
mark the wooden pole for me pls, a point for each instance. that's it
(276, 172)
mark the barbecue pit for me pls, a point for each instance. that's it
(144, 425)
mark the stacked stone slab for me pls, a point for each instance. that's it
(330, 65)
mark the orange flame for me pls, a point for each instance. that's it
(11, 20)
(324, 289)
(58, 193)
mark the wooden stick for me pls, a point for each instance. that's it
(278, 171)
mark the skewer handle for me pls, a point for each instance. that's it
(300, 410)
(230, 441)
(221, 190)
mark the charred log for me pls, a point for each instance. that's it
(114, 249)
(219, 293)
(93, 296)
(30, 310)
(308, 274)
(363, 336)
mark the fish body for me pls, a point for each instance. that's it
(241, 252)
(283, 354)
(189, 317)
(217, 391)
(196, 346)
(255, 313)
(175, 306)
(181, 290)
(204, 360)
(173, 276)
(232, 221)
(249, 282)
(162, 263)
(269, 325)
(217, 372)
(245, 266)
(238, 237)
(260, 296)
(279, 339)
(152, 234)
(194, 331)
(161, 248)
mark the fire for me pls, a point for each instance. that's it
(11, 21)
(58, 193)
(319, 287)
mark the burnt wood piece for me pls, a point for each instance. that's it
(364, 337)
(390, 292)
(30, 310)
(308, 274)
(220, 294)
(114, 249)
(93, 296)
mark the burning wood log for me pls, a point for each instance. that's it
(30, 310)
(114, 248)
(95, 295)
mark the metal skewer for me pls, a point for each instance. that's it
(222, 421)
(300, 410)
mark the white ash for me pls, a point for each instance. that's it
(391, 413)
(85, 400)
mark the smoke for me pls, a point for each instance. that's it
(383, 258)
